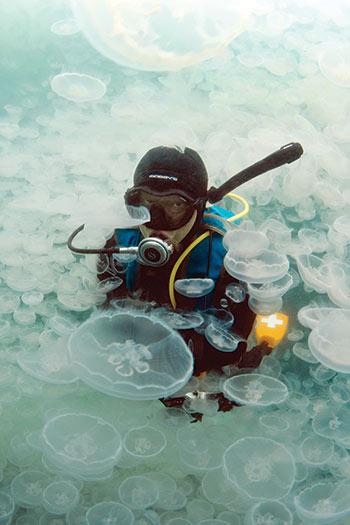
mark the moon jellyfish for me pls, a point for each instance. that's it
(85, 446)
(50, 363)
(221, 339)
(27, 488)
(270, 291)
(194, 287)
(160, 36)
(333, 423)
(138, 492)
(216, 488)
(316, 450)
(260, 467)
(323, 502)
(68, 26)
(60, 497)
(32, 298)
(328, 341)
(78, 87)
(144, 442)
(178, 320)
(109, 512)
(334, 64)
(7, 507)
(255, 389)
(266, 267)
(130, 355)
(269, 512)
(235, 292)
(245, 243)
(342, 225)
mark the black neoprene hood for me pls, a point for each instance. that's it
(165, 170)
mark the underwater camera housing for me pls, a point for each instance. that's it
(153, 251)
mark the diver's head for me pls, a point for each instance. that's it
(172, 183)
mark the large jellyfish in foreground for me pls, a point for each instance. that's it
(260, 467)
(160, 36)
(130, 355)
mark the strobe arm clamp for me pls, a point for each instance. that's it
(285, 155)
(151, 250)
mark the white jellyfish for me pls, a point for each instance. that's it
(138, 492)
(60, 497)
(130, 355)
(144, 442)
(272, 512)
(260, 467)
(85, 446)
(68, 26)
(323, 502)
(160, 36)
(7, 507)
(265, 267)
(255, 389)
(78, 87)
(27, 488)
(194, 287)
(109, 512)
(334, 63)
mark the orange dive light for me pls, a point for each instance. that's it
(271, 328)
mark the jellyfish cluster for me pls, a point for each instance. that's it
(88, 87)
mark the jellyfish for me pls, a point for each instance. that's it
(178, 320)
(272, 512)
(161, 36)
(328, 341)
(316, 450)
(27, 488)
(50, 363)
(194, 287)
(144, 442)
(244, 243)
(217, 488)
(78, 87)
(333, 423)
(265, 267)
(60, 497)
(221, 339)
(255, 389)
(130, 355)
(7, 507)
(334, 64)
(68, 26)
(109, 512)
(323, 502)
(138, 492)
(84, 445)
(260, 468)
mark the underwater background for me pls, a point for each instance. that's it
(235, 83)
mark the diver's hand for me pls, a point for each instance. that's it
(253, 358)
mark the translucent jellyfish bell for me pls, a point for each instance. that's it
(160, 36)
(78, 87)
(138, 492)
(273, 512)
(27, 488)
(260, 467)
(7, 507)
(130, 355)
(316, 450)
(144, 442)
(68, 26)
(245, 243)
(60, 497)
(109, 510)
(255, 389)
(323, 502)
(194, 287)
(328, 341)
(178, 320)
(221, 339)
(83, 445)
(265, 267)
(334, 64)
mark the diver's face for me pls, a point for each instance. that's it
(174, 237)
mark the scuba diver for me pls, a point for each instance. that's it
(183, 240)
